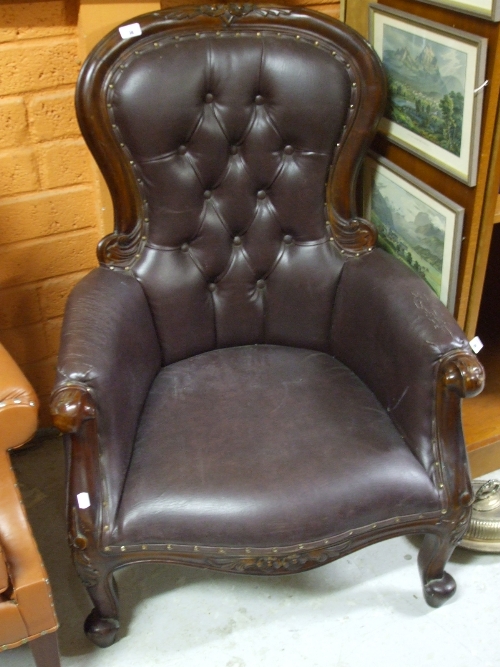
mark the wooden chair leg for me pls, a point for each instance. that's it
(102, 624)
(438, 585)
(45, 650)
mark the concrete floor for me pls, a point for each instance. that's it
(364, 610)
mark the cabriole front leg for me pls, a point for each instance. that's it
(438, 585)
(102, 624)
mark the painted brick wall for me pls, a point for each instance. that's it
(48, 195)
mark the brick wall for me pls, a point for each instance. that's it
(48, 199)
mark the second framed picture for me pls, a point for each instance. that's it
(486, 9)
(415, 223)
(435, 75)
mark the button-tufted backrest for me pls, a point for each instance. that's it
(229, 135)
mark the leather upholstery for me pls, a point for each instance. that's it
(26, 607)
(251, 448)
(240, 259)
(245, 373)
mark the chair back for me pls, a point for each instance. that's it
(233, 139)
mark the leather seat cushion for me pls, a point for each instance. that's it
(264, 446)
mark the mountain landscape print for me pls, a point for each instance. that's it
(426, 86)
(409, 228)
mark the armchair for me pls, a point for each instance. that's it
(26, 607)
(246, 383)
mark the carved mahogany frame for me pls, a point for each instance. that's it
(458, 374)
(353, 234)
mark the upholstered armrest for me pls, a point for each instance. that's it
(23, 578)
(18, 404)
(393, 332)
(108, 357)
(28, 585)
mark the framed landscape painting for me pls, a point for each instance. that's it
(487, 9)
(435, 76)
(415, 223)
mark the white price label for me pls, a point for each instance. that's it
(130, 30)
(476, 344)
(83, 500)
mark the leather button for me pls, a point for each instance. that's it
(207, 194)
(259, 99)
(288, 150)
(211, 287)
(237, 240)
(182, 150)
(261, 283)
(185, 247)
(233, 150)
(287, 239)
(209, 98)
(261, 194)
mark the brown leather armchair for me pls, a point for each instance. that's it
(26, 607)
(246, 383)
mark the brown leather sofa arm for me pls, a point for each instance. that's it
(26, 608)
(18, 404)
(27, 575)
(394, 333)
